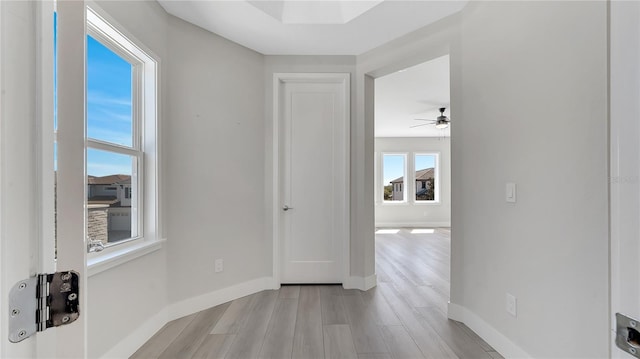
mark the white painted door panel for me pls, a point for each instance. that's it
(27, 174)
(313, 181)
(625, 164)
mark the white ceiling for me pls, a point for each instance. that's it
(261, 27)
(416, 92)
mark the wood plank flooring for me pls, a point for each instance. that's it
(404, 317)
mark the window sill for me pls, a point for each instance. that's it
(106, 261)
(405, 203)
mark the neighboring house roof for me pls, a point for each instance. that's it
(109, 200)
(421, 175)
(109, 180)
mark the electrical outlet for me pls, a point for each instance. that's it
(219, 265)
(512, 305)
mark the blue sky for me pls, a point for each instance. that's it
(108, 108)
(393, 165)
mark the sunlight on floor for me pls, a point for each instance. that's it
(387, 231)
(422, 230)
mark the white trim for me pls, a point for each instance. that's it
(412, 224)
(361, 283)
(217, 297)
(493, 337)
(624, 167)
(45, 175)
(279, 78)
(132, 342)
(145, 146)
(121, 255)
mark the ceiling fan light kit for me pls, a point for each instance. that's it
(441, 122)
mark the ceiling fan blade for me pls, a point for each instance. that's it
(423, 124)
(423, 119)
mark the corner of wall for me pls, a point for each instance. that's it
(132, 342)
(361, 283)
(491, 335)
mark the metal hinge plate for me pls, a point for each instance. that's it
(41, 302)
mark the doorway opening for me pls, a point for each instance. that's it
(413, 183)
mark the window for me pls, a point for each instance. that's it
(426, 174)
(393, 173)
(120, 126)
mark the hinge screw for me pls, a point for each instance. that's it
(633, 323)
(65, 319)
(73, 296)
(22, 285)
(66, 276)
(22, 333)
(15, 312)
(632, 351)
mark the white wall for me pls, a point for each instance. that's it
(112, 319)
(410, 213)
(533, 111)
(517, 68)
(214, 155)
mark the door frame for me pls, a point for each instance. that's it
(37, 118)
(279, 79)
(624, 159)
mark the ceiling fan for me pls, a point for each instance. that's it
(441, 122)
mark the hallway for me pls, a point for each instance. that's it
(403, 317)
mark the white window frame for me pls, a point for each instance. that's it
(144, 149)
(404, 176)
(436, 178)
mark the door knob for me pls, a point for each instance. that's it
(286, 208)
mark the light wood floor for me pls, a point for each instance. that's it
(403, 317)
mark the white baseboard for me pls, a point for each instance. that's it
(497, 340)
(362, 283)
(135, 340)
(412, 224)
(132, 342)
(211, 299)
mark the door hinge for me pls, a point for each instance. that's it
(41, 302)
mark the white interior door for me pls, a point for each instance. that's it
(28, 245)
(314, 184)
(625, 169)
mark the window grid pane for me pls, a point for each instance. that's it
(393, 167)
(109, 95)
(112, 215)
(425, 166)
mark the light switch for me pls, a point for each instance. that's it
(511, 192)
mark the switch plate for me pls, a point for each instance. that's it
(512, 305)
(219, 265)
(511, 192)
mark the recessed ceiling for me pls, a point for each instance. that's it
(416, 92)
(348, 29)
(314, 12)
